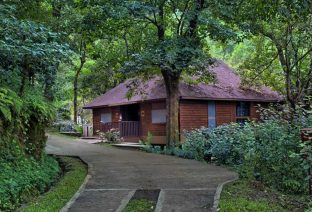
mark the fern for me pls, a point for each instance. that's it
(9, 103)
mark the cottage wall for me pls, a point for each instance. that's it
(157, 130)
(192, 114)
(97, 116)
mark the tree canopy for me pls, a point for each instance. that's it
(72, 51)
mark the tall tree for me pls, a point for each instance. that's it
(29, 52)
(172, 32)
(286, 25)
(82, 25)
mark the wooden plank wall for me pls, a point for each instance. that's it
(97, 116)
(225, 112)
(146, 119)
(193, 114)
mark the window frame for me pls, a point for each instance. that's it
(240, 112)
(110, 118)
(212, 121)
(161, 121)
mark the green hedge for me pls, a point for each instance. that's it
(268, 151)
(25, 179)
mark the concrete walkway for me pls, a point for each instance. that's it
(186, 185)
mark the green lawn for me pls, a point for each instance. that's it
(140, 205)
(244, 195)
(63, 191)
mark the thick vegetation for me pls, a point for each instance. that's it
(55, 56)
(62, 192)
(29, 55)
(25, 170)
(268, 151)
(244, 195)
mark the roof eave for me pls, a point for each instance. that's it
(230, 99)
(120, 104)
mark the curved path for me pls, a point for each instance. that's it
(185, 185)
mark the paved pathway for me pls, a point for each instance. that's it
(186, 185)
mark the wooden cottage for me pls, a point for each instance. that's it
(201, 105)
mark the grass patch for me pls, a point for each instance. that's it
(140, 205)
(63, 191)
(70, 137)
(243, 195)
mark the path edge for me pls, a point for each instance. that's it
(216, 199)
(81, 188)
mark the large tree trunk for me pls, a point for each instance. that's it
(172, 105)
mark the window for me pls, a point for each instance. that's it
(212, 114)
(106, 117)
(242, 112)
(242, 109)
(159, 116)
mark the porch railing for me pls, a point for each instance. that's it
(126, 128)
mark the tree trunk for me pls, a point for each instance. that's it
(82, 62)
(76, 91)
(172, 105)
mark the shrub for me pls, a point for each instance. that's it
(196, 144)
(112, 136)
(64, 126)
(267, 151)
(22, 180)
(25, 169)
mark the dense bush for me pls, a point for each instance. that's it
(268, 151)
(22, 180)
(24, 119)
(25, 169)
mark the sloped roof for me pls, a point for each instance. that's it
(227, 86)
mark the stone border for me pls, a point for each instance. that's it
(216, 199)
(81, 188)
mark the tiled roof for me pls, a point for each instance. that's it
(227, 86)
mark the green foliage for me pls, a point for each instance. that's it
(196, 148)
(281, 35)
(62, 192)
(25, 170)
(10, 104)
(243, 195)
(29, 52)
(171, 35)
(64, 126)
(268, 152)
(22, 178)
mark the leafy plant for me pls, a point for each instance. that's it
(9, 103)
(112, 136)
(267, 151)
(22, 179)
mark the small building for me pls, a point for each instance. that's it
(201, 105)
